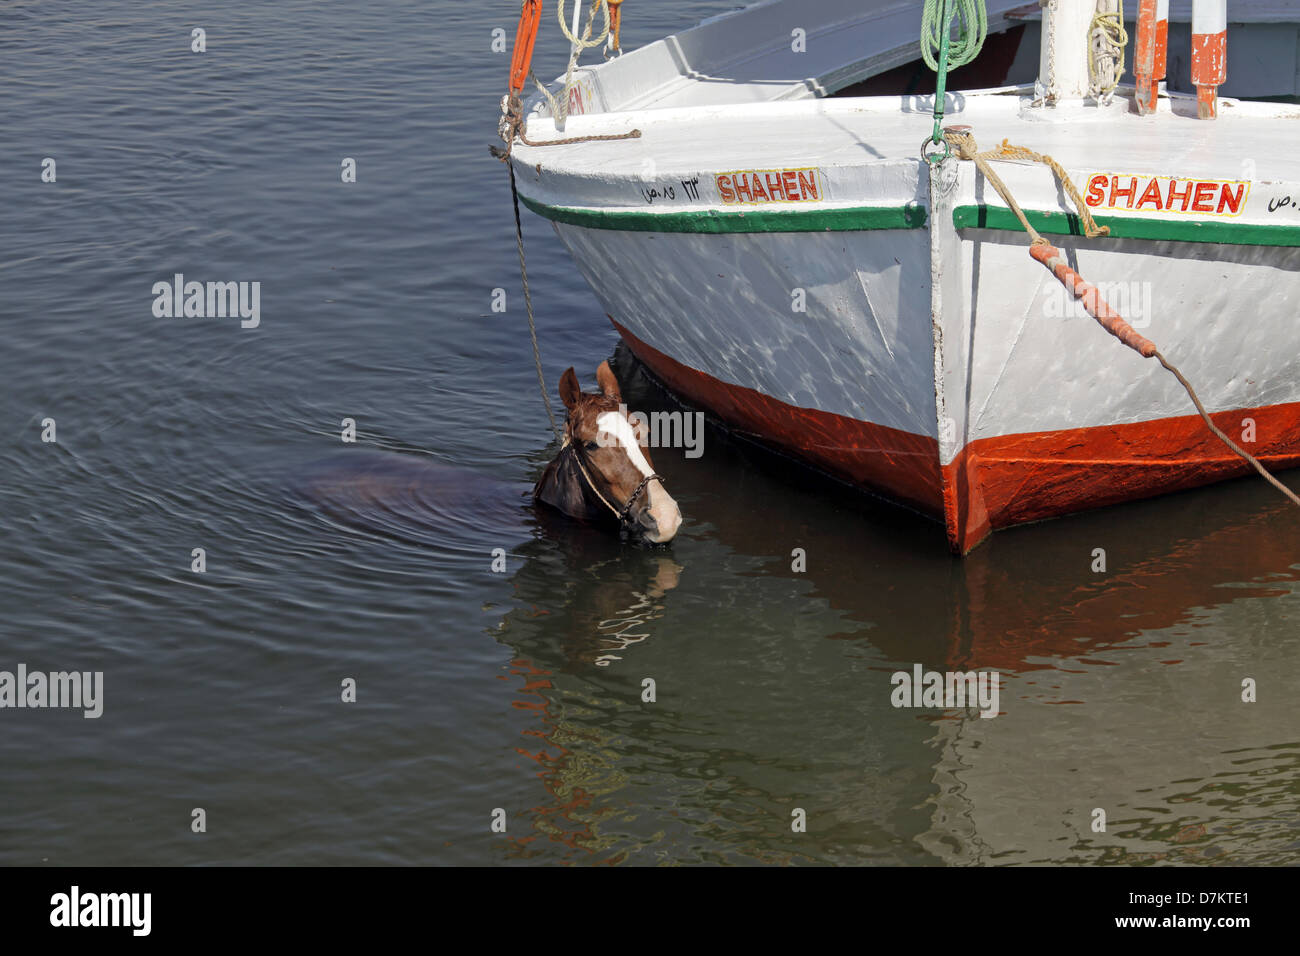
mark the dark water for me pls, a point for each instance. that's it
(372, 561)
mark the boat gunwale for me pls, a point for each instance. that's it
(855, 218)
(912, 215)
(540, 125)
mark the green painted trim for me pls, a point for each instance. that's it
(913, 216)
(855, 219)
(1223, 232)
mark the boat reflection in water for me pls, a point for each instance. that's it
(1121, 689)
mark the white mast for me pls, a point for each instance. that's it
(1063, 59)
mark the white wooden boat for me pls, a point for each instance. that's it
(785, 259)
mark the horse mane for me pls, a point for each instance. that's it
(560, 484)
(591, 405)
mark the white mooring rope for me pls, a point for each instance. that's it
(1107, 39)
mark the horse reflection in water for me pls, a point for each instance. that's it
(1028, 606)
(607, 613)
(613, 598)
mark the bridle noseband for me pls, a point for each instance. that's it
(624, 514)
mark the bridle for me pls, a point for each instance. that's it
(622, 514)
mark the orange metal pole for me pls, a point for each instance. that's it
(1209, 54)
(525, 38)
(1162, 40)
(1144, 57)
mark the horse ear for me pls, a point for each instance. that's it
(607, 382)
(569, 388)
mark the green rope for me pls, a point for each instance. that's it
(936, 23)
(942, 51)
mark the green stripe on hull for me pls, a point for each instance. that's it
(856, 219)
(1223, 232)
(912, 216)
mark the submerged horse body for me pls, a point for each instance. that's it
(602, 474)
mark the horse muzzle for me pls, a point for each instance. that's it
(659, 520)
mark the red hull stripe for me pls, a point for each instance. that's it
(896, 463)
(1001, 481)
(1011, 479)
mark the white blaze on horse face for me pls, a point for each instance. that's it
(668, 517)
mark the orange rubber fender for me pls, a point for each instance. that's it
(1087, 293)
(525, 38)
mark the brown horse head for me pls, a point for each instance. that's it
(602, 474)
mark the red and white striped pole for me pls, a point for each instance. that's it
(1209, 53)
(1151, 51)
(1162, 39)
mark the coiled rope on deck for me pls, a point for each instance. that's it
(963, 144)
(942, 51)
(1107, 39)
(936, 22)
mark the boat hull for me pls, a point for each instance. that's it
(798, 270)
(1013, 407)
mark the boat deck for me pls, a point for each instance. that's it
(749, 55)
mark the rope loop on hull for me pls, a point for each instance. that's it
(963, 144)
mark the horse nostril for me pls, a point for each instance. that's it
(660, 531)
